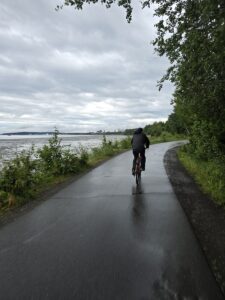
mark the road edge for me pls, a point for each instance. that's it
(206, 218)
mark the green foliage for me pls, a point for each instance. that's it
(57, 160)
(51, 155)
(175, 124)
(191, 34)
(125, 143)
(22, 176)
(83, 156)
(203, 142)
(78, 4)
(171, 127)
(156, 129)
(109, 148)
(19, 175)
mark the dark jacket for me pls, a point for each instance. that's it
(139, 141)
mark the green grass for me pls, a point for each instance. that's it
(210, 175)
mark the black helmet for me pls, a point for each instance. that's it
(139, 130)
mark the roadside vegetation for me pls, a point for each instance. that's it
(33, 171)
(209, 174)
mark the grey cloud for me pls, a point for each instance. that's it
(81, 71)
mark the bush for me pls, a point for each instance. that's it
(22, 176)
(57, 160)
(83, 156)
(19, 175)
(203, 143)
(109, 148)
(125, 143)
(50, 155)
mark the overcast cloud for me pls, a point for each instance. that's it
(78, 70)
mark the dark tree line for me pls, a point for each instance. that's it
(174, 125)
(191, 33)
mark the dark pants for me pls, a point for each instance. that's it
(143, 158)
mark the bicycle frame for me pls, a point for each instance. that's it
(138, 169)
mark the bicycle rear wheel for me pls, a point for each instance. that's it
(138, 177)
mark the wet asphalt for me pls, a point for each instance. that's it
(103, 238)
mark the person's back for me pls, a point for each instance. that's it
(139, 140)
(139, 143)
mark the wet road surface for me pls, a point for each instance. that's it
(102, 238)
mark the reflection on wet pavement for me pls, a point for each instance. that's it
(137, 189)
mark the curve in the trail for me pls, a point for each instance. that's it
(103, 238)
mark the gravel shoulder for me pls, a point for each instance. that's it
(206, 218)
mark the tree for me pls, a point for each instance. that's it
(193, 38)
(78, 4)
(175, 124)
(191, 33)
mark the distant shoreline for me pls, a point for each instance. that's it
(62, 133)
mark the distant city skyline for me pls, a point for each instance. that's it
(79, 71)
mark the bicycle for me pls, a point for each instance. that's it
(138, 169)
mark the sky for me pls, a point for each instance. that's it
(79, 71)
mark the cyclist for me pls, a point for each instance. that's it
(139, 143)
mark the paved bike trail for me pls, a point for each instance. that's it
(102, 238)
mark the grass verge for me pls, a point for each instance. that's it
(210, 175)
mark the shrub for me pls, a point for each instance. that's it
(57, 160)
(50, 155)
(203, 142)
(125, 143)
(22, 176)
(18, 175)
(83, 156)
